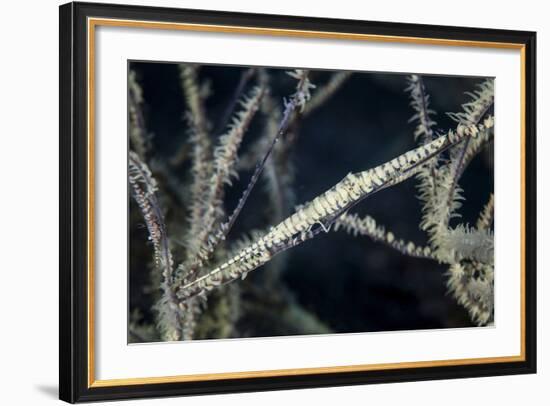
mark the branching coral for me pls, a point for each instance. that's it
(209, 261)
(463, 248)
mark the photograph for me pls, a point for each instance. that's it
(283, 201)
(256, 202)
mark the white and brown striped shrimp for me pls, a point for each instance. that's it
(319, 214)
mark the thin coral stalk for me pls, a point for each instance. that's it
(137, 131)
(324, 93)
(237, 94)
(487, 215)
(143, 188)
(278, 169)
(297, 101)
(479, 143)
(367, 226)
(472, 285)
(200, 170)
(420, 102)
(194, 97)
(473, 111)
(424, 133)
(202, 243)
(201, 150)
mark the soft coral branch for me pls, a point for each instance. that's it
(367, 226)
(143, 188)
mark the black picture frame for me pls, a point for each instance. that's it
(74, 385)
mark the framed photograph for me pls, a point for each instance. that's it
(257, 202)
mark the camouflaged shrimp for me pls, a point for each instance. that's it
(319, 214)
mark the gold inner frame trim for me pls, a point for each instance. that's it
(94, 22)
